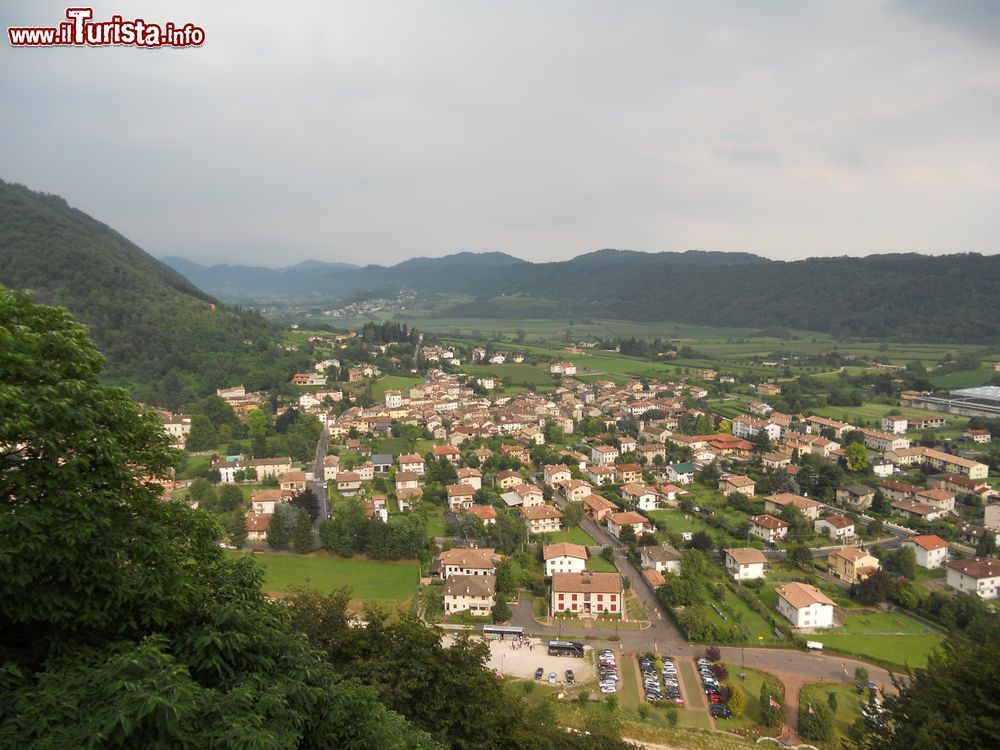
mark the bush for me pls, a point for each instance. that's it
(713, 654)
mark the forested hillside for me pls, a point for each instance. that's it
(901, 296)
(161, 335)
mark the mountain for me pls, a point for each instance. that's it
(237, 282)
(162, 336)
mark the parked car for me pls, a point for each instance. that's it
(538, 673)
(570, 677)
(721, 711)
(552, 678)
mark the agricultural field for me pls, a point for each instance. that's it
(848, 706)
(393, 383)
(519, 374)
(388, 584)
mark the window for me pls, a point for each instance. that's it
(614, 607)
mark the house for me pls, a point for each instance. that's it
(465, 561)
(940, 461)
(553, 474)
(852, 564)
(642, 496)
(485, 513)
(760, 408)
(617, 521)
(542, 519)
(774, 504)
(857, 496)
(377, 508)
(407, 480)
(818, 424)
(348, 483)
(931, 550)
(264, 468)
(575, 490)
(650, 452)
(366, 471)
(805, 606)
(516, 453)
(991, 516)
(598, 508)
(177, 426)
(682, 473)
(263, 501)
(460, 497)
(407, 498)
(530, 495)
(883, 442)
(838, 528)
(775, 461)
(564, 558)
(604, 455)
(746, 563)
(411, 462)
(899, 490)
(663, 558)
(587, 593)
(882, 468)
(626, 473)
(508, 479)
(939, 498)
(671, 492)
(927, 422)
(894, 424)
(308, 378)
(562, 368)
(961, 485)
(471, 477)
(980, 576)
(472, 593)
(448, 452)
(769, 389)
(257, 525)
(977, 436)
(736, 483)
(768, 528)
(331, 465)
(601, 474)
(913, 509)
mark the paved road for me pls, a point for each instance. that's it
(319, 487)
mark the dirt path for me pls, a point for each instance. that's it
(793, 685)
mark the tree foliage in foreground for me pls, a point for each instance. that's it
(123, 625)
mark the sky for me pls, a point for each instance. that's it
(372, 132)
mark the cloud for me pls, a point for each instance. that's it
(377, 131)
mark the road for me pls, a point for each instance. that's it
(319, 487)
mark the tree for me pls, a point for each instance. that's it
(713, 654)
(770, 707)
(986, 546)
(831, 700)
(877, 588)
(281, 529)
(860, 676)
(202, 436)
(737, 701)
(702, 541)
(134, 630)
(308, 501)
(816, 721)
(501, 611)
(626, 535)
(856, 456)
(238, 528)
(914, 718)
(572, 514)
(229, 496)
(801, 556)
(302, 536)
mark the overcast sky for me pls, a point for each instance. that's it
(371, 132)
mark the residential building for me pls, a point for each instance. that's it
(663, 558)
(411, 462)
(604, 455)
(857, 496)
(264, 467)
(348, 483)
(575, 490)
(818, 424)
(472, 477)
(941, 461)
(930, 549)
(530, 495)
(601, 474)
(894, 424)
(682, 473)
(465, 561)
(940, 498)
(913, 509)
(642, 496)
(485, 513)
(472, 593)
(775, 504)
(883, 442)
(746, 563)
(899, 490)
(978, 436)
(805, 606)
(768, 528)
(736, 483)
(627, 473)
(597, 508)
(257, 526)
(448, 452)
(980, 576)
(587, 593)
(263, 501)
(852, 564)
(838, 528)
(639, 523)
(542, 519)
(564, 558)
(507, 479)
(555, 473)
(460, 497)
(381, 463)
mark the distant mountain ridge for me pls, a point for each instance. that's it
(165, 338)
(904, 296)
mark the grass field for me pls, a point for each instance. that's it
(751, 682)
(597, 564)
(392, 383)
(389, 584)
(519, 374)
(889, 637)
(574, 535)
(848, 706)
(872, 413)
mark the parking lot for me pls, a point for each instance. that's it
(523, 661)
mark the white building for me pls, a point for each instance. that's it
(895, 424)
(931, 550)
(473, 593)
(838, 528)
(663, 559)
(746, 563)
(805, 606)
(980, 576)
(564, 558)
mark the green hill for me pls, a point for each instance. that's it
(163, 338)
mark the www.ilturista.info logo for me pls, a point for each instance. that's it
(80, 31)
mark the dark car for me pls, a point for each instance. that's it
(570, 677)
(721, 711)
(538, 673)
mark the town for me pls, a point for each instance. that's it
(629, 510)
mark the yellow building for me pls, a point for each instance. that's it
(852, 564)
